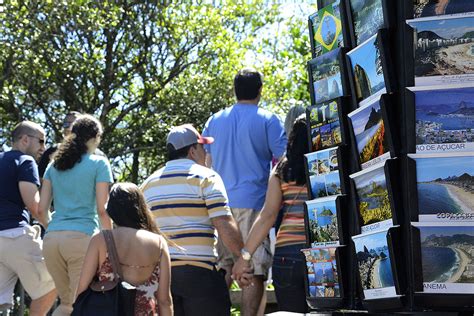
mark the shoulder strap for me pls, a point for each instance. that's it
(112, 251)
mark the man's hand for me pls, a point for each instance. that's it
(242, 272)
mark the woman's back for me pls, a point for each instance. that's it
(74, 194)
(139, 254)
(292, 230)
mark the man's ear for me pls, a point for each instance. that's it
(191, 152)
(24, 140)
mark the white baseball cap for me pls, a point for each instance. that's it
(185, 135)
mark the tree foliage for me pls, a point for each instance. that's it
(139, 66)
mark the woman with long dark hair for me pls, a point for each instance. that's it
(142, 251)
(287, 187)
(78, 181)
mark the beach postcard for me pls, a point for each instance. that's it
(374, 262)
(444, 118)
(369, 131)
(325, 125)
(326, 76)
(327, 29)
(322, 218)
(367, 69)
(323, 280)
(374, 206)
(445, 185)
(425, 8)
(444, 49)
(447, 256)
(367, 16)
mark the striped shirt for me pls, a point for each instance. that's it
(292, 231)
(183, 197)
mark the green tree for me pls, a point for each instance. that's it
(140, 66)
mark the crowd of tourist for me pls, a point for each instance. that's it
(181, 238)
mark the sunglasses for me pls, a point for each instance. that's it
(67, 124)
(40, 140)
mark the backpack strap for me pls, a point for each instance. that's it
(112, 251)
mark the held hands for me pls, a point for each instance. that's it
(242, 272)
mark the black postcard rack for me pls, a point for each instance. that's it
(395, 40)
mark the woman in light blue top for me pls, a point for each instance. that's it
(78, 182)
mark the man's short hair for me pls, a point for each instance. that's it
(73, 113)
(178, 153)
(247, 84)
(25, 128)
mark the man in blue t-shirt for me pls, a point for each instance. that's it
(20, 244)
(246, 138)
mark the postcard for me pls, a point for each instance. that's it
(322, 218)
(447, 257)
(367, 69)
(327, 28)
(326, 76)
(375, 267)
(445, 185)
(444, 118)
(312, 163)
(444, 50)
(424, 8)
(370, 134)
(323, 279)
(323, 171)
(325, 126)
(375, 211)
(368, 18)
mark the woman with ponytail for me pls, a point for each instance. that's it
(78, 181)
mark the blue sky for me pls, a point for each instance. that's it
(365, 57)
(377, 175)
(445, 231)
(323, 154)
(444, 96)
(360, 119)
(371, 241)
(333, 177)
(431, 168)
(446, 28)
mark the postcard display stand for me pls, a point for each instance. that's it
(439, 167)
(390, 227)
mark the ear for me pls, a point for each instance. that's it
(191, 152)
(24, 140)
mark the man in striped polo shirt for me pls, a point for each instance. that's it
(189, 203)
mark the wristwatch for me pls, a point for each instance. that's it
(245, 254)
